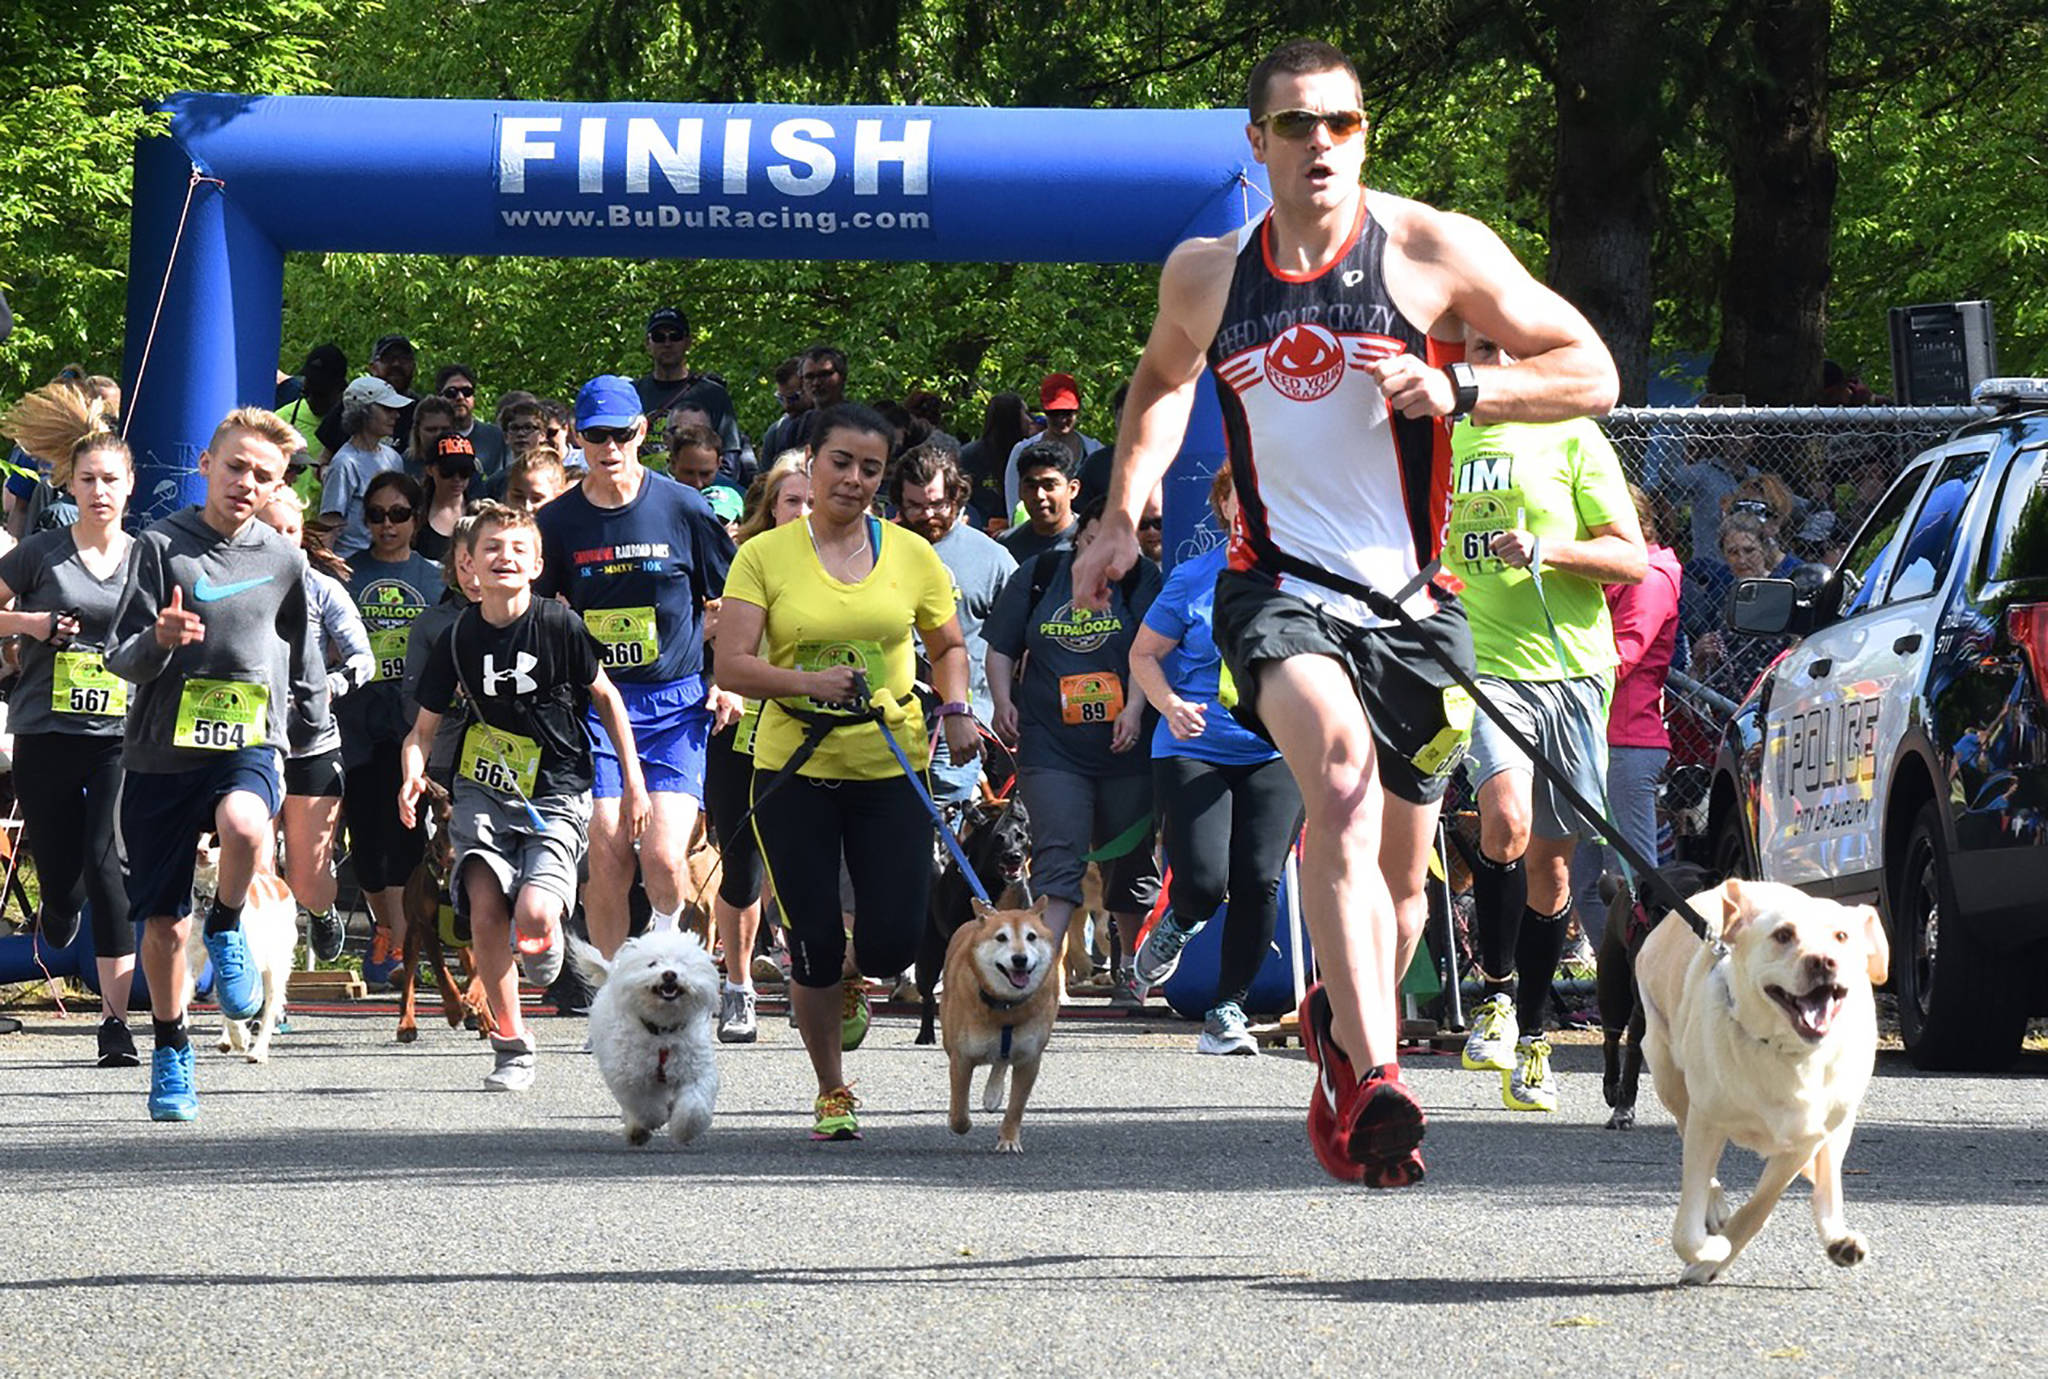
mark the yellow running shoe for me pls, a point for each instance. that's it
(853, 1020)
(1490, 1047)
(1530, 1086)
(835, 1117)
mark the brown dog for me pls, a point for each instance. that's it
(998, 1008)
(424, 892)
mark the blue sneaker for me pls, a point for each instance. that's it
(238, 990)
(1159, 956)
(170, 1085)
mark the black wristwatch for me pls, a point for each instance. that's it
(1465, 384)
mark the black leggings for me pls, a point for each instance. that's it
(1227, 830)
(881, 827)
(70, 792)
(728, 781)
(382, 850)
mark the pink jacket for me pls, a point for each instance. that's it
(1645, 633)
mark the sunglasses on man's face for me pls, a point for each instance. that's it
(665, 337)
(378, 516)
(454, 390)
(1150, 524)
(606, 435)
(1299, 124)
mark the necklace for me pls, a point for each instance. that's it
(848, 559)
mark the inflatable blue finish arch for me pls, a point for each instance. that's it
(616, 181)
(239, 181)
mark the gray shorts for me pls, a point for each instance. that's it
(1071, 815)
(497, 832)
(1567, 720)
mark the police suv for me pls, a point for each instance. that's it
(1898, 751)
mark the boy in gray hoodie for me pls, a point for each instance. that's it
(212, 628)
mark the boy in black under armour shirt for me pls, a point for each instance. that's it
(530, 670)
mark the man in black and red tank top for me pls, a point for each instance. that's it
(1333, 326)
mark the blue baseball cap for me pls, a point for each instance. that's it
(607, 400)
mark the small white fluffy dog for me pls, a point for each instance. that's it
(270, 926)
(651, 1030)
(1766, 1039)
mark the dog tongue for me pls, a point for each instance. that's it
(1817, 1010)
(1017, 979)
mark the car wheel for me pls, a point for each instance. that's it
(1960, 1007)
(1731, 849)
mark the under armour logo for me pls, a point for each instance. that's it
(522, 683)
(1353, 276)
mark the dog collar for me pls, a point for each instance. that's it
(994, 1004)
(653, 1028)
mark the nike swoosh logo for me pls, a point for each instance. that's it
(206, 591)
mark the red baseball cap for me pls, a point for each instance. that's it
(1058, 393)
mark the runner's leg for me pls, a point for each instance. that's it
(1309, 706)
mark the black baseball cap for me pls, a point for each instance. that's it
(670, 318)
(393, 343)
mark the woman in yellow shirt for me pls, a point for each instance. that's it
(837, 596)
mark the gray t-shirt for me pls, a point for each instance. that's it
(980, 568)
(257, 677)
(348, 479)
(1078, 675)
(47, 576)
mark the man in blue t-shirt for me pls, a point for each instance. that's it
(637, 556)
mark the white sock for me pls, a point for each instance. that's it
(665, 922)
(731, 985)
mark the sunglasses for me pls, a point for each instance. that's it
(457, 390)
(607, 435)
(1150, 524)
(376, 516)
(814, 376)
(665, 337)
(1753, 506)
(1299, 124)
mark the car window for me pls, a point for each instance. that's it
(2023, 481)
(1863, 568)
(1923, 558)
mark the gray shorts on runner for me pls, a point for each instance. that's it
(498, 833)
(1567, 720)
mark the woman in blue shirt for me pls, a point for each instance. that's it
(1228, 804)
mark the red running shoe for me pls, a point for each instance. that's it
(1361, 1131)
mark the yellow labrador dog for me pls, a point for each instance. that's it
(1767, 1038)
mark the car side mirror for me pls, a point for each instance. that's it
(1763, 606)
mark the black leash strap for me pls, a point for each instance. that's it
(1392, 611)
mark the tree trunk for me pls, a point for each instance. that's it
(1782, 174)
(1603, 203)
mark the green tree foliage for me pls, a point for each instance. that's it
(1937, 121)
(75, 78)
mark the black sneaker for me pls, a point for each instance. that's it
(117, 1045)
(325, 934)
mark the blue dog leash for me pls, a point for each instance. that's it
(879, 714)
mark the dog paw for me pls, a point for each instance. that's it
(1700, 1273)
(1624, 1118)
(408, 1033)
(959, 1124)
(257, 1055)
(1849, 1251)
(926, 1038)
(637, 1135)
(1717, 1209)
(1009, 1146)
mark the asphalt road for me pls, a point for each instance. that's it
(360, 1208)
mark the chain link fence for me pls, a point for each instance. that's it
(1743, 491)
